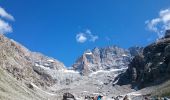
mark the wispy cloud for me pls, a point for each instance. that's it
(4, 25)
(5, 15)
(82, 37)
(90, 36)
(161, 23)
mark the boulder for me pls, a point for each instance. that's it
(29, 85)
(126, 98)
(88, 98)
(68, 96)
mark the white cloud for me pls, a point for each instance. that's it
(88, 31)
(165, 15)
(6, 15)
(81, 38)
(4, 25)
(93, 38)
(161, 23)
(86, 36)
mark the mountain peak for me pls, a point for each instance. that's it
(106, 58)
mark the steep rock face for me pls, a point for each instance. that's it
(152, 66)
(136, 50)
(25, 65)
(106, 58)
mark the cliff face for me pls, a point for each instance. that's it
(106, 58)
(152, 66)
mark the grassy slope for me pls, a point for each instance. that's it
(11, 89)
(163, 90)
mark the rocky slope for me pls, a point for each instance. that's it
(13, 89)
(26, 66)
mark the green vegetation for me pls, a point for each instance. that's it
(163, 90)
(11, 89)
(166, 94)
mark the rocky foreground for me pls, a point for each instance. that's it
(112, 72)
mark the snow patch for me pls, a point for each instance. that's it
(41, 66)
(115, 82)
(37, 65)
(134, 94)
(96, 93)
(46, 64)
(88, 53)
(69, 71)
(124, 55)
(85, 91)
(50, 60)
(104, 71)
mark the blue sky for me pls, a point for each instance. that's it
(64, 29)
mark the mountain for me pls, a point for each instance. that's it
(26, 66)
(108, 71)
(150, 67)
(13, 89)
(27, 75)
(107, 58)
(40, 77)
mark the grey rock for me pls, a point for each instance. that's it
(106, 58)
(136, 50)
(25, 65)
(167, 34)
(68, 96)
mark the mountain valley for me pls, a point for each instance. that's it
(113, 72)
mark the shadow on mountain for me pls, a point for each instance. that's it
(150, 67)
